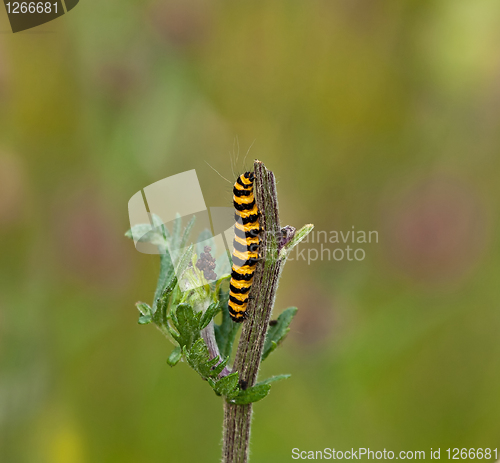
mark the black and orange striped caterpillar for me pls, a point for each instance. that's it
(245, 244)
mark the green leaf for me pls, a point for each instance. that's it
(184, 261)
(278, 332)
(165, 276)
(226, 386)
(257, 392)
(250, 395)
(187, 231)
(138, 230)
(160, 226)
(145, 319)
(225, 333)
(143, 308)
(158, 235)
(175, 356)
(298, 237)
(160, 314)
(217, 370)
(210, 313)
(176, 233)
(163, 299)
(167, 271)
(146, 233)
(272, 379)
(186, 322)
(198, 358)
(171, 332)
(145, 311)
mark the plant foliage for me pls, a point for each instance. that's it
(185, 305)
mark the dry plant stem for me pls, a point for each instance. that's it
(237, 418)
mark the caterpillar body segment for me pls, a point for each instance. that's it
(245, 246)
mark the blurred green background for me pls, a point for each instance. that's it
(378, 114)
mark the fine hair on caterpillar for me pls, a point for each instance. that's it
(234, 156)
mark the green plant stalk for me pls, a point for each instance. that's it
(237, 418)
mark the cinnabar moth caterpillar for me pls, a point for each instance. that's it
(245, 244)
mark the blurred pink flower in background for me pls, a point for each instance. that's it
(314, 323)
(182, 23)
(89, 240)
(4, 74)
(117, 81)
(435, 231)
